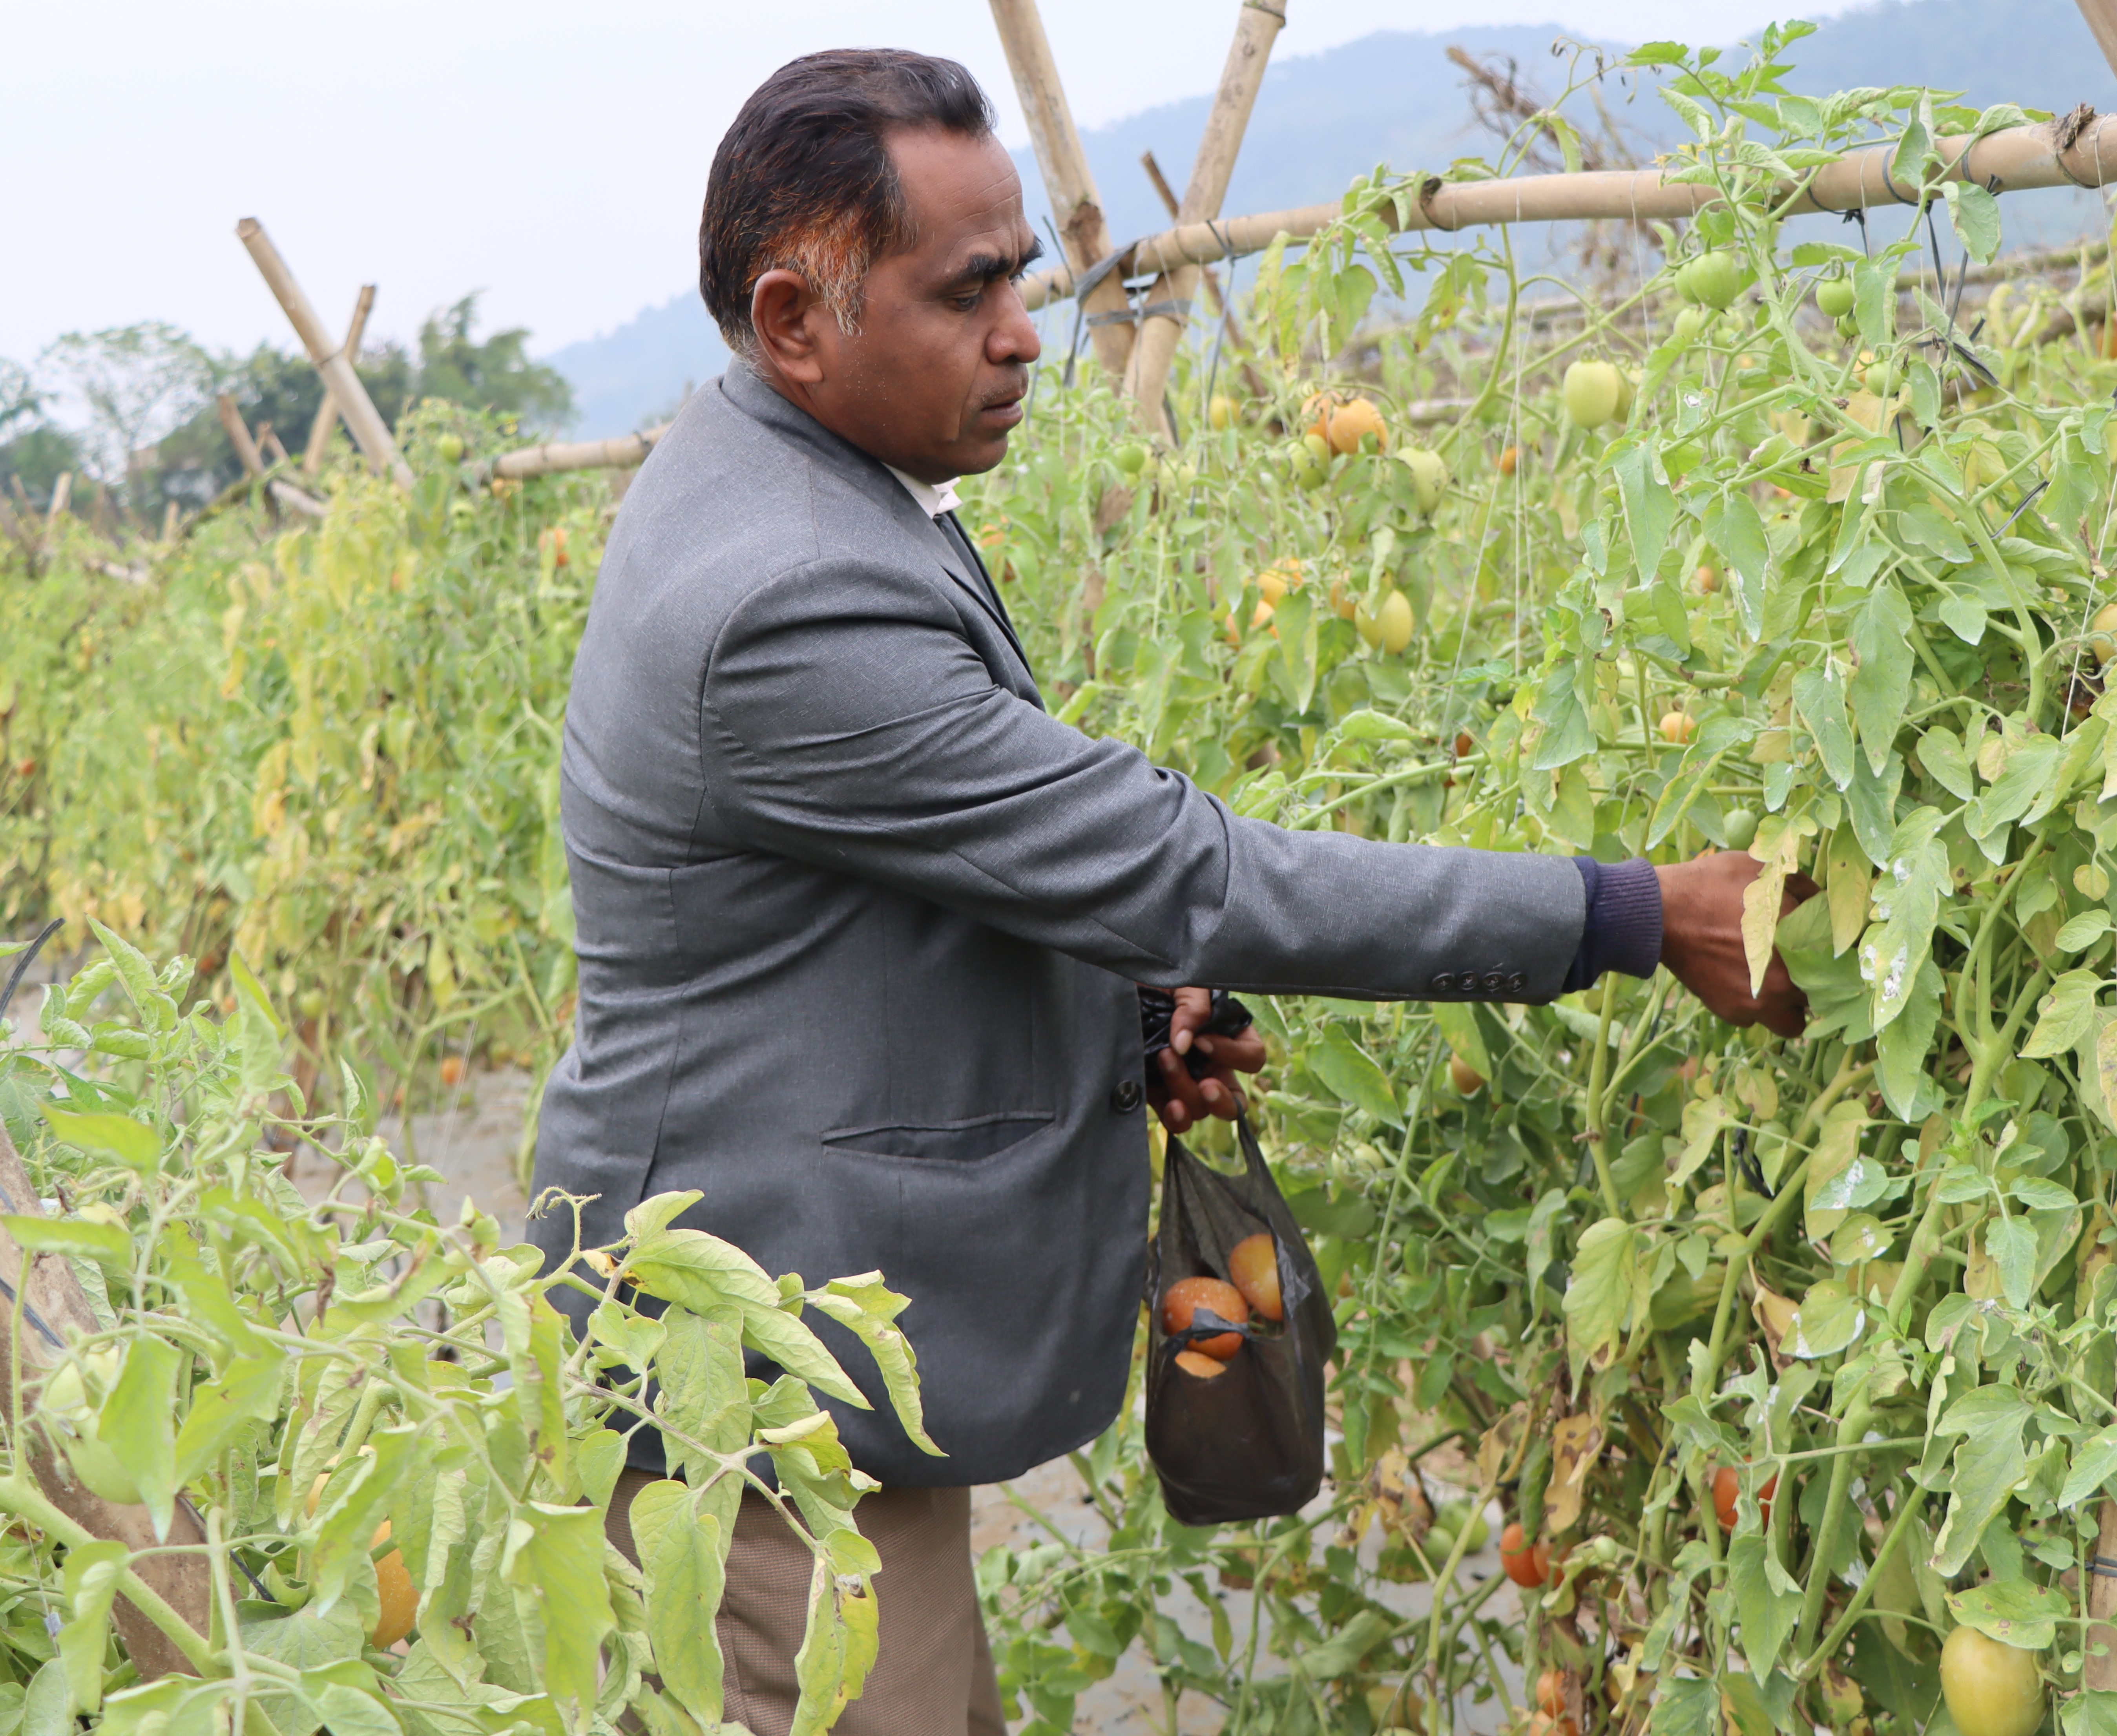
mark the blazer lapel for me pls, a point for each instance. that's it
(959, 557)
(981, 587)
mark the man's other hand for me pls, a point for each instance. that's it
(1178, 1098)
(1701, 940)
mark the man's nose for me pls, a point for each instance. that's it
(1013, 339)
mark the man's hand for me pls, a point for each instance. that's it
(1701, 940)
(1178, 1098)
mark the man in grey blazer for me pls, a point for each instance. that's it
(861, 924)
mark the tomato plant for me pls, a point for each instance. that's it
(285, 1390)
(1776, 546)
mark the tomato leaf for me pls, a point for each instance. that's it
(2016, 1612)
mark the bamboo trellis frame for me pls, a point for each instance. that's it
(369, 429)
(586, 455)
(2101, 17)
(1083, 232)
(1167, 312)
(321, 431)
(2079, 150)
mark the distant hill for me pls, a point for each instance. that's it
(1395, 98)
(636, 375)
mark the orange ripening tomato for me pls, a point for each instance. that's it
(1205, 1368)
(1253, 1268)
(1726, 1485)
(1186, 1297)
(1524, 1563)
(1509, 459)
(1551, 1693)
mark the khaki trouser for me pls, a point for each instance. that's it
(934, 1675)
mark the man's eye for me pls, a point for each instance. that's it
(966, 303)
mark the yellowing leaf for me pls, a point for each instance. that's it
(1575, 1443)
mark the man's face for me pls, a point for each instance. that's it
(933, 380)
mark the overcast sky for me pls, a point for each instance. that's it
(551, 155)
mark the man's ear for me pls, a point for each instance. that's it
(781, 308)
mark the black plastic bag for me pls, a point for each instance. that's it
(1248, 1443)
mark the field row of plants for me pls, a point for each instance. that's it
(1790, 1360)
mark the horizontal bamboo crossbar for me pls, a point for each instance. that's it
(2079, 150)
(627, 450)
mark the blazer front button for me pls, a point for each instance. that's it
(1127, 1095)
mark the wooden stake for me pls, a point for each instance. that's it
(53, 1308)
(588, 454)
(321, 431)
(368, 427)
(62, 498)
(1231, 323)
(238, 435)
(2078, 149)
(1071, 186)
(1168, 310)
(2102, 1601)
(2101, 17)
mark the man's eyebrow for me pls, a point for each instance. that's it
(988, 268)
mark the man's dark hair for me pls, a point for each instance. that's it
(803, 181)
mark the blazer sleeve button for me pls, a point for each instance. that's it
(1442, 984)
(1496, 982)
(1517, 983)
(1127, 1095)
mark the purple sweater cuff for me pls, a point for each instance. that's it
(1623, 929)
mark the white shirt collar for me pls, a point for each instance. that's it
(932, 501)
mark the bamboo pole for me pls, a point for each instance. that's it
(1083, 232)
(624, 451)
(2079, 150)
(1223, 305)
(354, 405)
(288, 495)
(1168, 310)
(52, 1307)
(2101, 17)
(61, 499)
(238, 435)
(2101, 1672)
(326, 422)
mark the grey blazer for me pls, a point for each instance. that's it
(860, 924)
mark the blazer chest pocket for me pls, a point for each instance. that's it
(945, 1142)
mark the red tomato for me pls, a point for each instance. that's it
(1524, 1564)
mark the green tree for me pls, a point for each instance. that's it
(495, 375)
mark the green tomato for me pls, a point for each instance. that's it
(1429, 477)
(1131, 457)
(1712, 280)
(1692, 324)
(1738, 826)
(1593, 392)
(450, 449)
(1834, 297)
(1992, 1689)
(1880, 379)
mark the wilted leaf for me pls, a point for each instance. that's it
(1575, 1443)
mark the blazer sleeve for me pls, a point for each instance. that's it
(847, 721)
